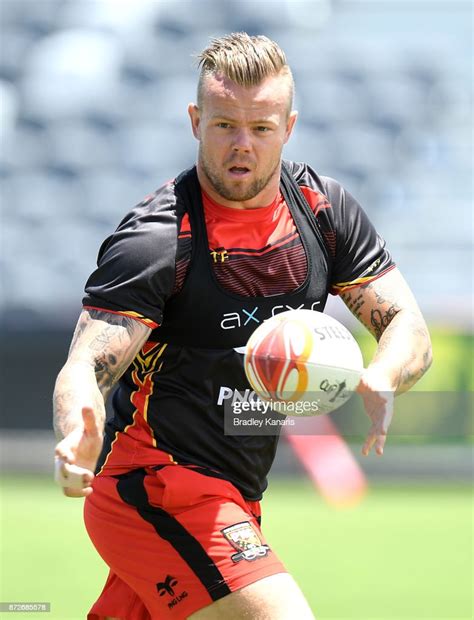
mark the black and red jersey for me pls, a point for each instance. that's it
(203, 276)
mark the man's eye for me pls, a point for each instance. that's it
(223, 125)
(262, 128)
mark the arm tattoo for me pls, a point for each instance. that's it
(410, 373)
(102, 348)
(64, 399)
(109, 342)
(80, 327)
(413, 361)
(373, 307)
(387, 308)
(354, 302)
(380, 319)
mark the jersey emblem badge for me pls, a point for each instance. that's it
(245, 540)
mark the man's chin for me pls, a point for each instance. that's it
(236, 191)
(238, 195)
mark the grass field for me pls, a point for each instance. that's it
(404, 553)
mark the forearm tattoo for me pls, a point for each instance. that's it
(409, 377)
(376, 316)
(112, 345)
(388, 311)
(102, 348)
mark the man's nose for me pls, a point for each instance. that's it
(242, 140)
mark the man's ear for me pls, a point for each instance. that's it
(195, 116)
(290, 124)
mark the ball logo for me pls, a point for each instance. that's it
(276, 362)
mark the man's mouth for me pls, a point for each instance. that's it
(239, 170)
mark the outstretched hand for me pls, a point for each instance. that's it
(76, 456)
(378, 394)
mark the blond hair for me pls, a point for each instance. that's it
(244, 59)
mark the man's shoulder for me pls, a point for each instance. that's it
(306, 176)
(162, 205)
(165, 198)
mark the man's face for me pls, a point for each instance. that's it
(241, 133)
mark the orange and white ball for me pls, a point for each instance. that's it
(303, 356)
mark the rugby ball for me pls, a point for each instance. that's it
(303, 362)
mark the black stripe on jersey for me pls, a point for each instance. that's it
(131, 488)
(268, 250)
(271, 251)
(294, 233)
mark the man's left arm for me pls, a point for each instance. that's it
(388, 309)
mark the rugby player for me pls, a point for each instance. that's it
(172, 504)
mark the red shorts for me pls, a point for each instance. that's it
(175, 541)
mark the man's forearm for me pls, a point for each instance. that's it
(76, 387)
(404, 350)
(103, 346)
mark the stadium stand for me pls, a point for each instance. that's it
(93, 117)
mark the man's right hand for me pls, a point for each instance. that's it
(76, 456)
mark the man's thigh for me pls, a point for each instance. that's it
(273, 598)
(178, 540)
(277, 597)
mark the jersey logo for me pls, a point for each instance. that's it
(232, 320)
(219, 256)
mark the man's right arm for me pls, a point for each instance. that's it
(102, 348)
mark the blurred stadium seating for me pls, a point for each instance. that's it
(93, 116)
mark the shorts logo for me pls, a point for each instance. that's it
(166, 587)
(245, 540)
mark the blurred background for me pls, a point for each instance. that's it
(93, 97)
